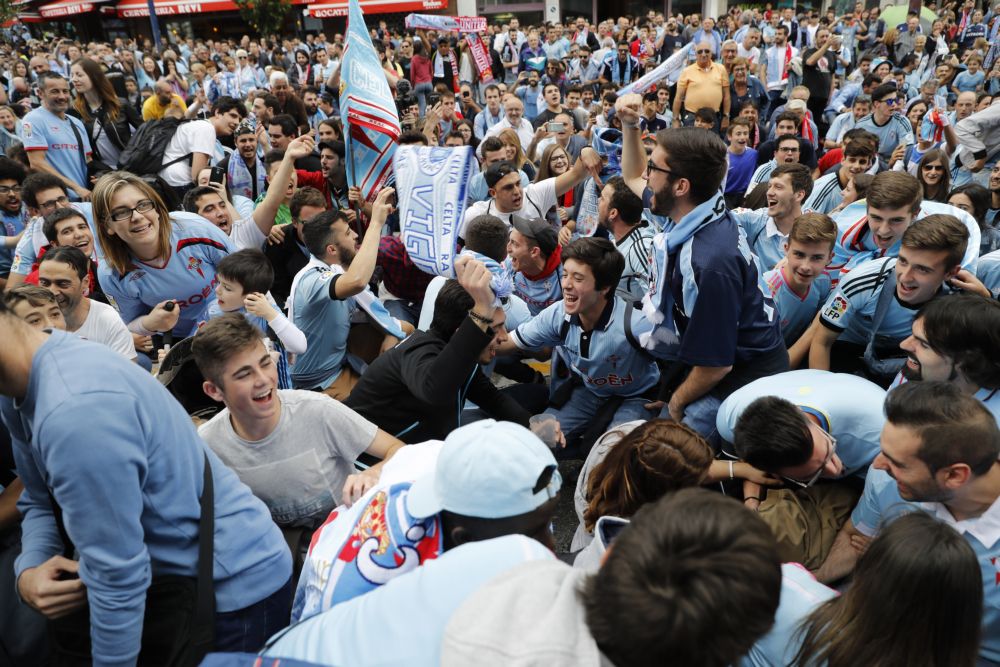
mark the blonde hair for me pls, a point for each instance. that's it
(117, 253)
(509, 138)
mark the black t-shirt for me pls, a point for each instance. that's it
(546, 115)
(817, 77)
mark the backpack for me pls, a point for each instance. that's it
(143, 155)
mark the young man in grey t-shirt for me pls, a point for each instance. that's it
(294, 449)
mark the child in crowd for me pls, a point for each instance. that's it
(742, 162)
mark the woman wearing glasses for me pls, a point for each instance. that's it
(932, 172)
(153, 258)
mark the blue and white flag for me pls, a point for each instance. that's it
(431, 185)
(367, 109)
(670, 69)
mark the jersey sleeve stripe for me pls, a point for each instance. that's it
(184, 243)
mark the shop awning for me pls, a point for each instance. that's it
(329, 9)
(137, 8)
(23, 17)
(66, 8)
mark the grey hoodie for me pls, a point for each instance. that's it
(531, 615)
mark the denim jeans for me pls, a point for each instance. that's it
(246, 630)
(422, 90)
(575, 416)
(700, 416)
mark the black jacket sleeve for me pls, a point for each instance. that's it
(497, 404)
(435, 376)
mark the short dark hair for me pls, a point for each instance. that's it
(706, 115)
(966, 329)
(225, 104)
(12, 170)
(487, 235)
(451, 306)
(35, 183)
(654, 601)
(73, 256)
(895, 189)
(250, 268)
(490, 145)
(192, 196)
(316, 231)
(696, 155)
(788, 115)
(413, 137)
(218, 340)
(286, 122)
(305, 196)
(954, 427)
(33, 294)
(979, 196)
(273, 156)
(604, 260)
(938, 232)
(799, 175)
(772, 433)
(57, 216)
(44, 77)
(883, 91)
(628, 203)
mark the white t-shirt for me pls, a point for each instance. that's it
(246, 234)
(198, 136)
(104, 325)
(538, 199)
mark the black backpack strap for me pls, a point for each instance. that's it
(630, 337)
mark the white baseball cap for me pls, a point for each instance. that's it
(490, 470)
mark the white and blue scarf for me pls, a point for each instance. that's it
(240, 180)
(501, 282)
(657, 305)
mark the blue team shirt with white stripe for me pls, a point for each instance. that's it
(196, 247)
(850, 309)
(796, 312)
(326, 323)
(826, 194)
(854, 244)
(762, 174)
(897, 131)
(881, 503)
(849, 408)
(612, 367)
(537, 294)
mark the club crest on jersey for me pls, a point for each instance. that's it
(837, 308)
(194, 264)
(135, 275)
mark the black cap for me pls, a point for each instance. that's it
(539, 231)
(498, 170)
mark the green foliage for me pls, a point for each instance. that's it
(265, 16)
(8, 10)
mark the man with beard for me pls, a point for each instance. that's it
(11, 216)
(939, 455)
(245, 173)
(310, 98)
(331, 288)
(955, 340)
(281, 131)
(63, 271)
(707, 309)
(55, 142)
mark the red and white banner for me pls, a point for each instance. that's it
(449, 23)
(131, 9)
(481, 56)
(333, 8)
(55, 10)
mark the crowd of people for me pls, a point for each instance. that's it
(753, 296)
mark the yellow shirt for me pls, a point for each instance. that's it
(704, 88)
(153, 110)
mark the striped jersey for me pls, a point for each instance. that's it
(850, 309)
(826, 194)
(896, 131)
(635, 247)
(761, 174)
(854, 243)
(196, 247)
(765, 239)
(795, 311)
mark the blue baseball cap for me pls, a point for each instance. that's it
(490, 470)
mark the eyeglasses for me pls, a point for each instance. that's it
(788, 149)
(826, 460)
(62, 200)
(5, 190)
(703, 51)
(927, 167)
(125, 213)
(892, 101)
(650, 167)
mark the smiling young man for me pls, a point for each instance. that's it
(804, 426)
(892, 129)
(939, 450)
(955, 339)
(64, 272)
(197, 142)
(872, 228)
(767, 229)
(873, 307)
(294, 449)
(827, 191)
(535, 262)
(603, 375)
(12, 215)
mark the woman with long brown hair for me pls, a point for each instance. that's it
(515, 152)
(932, 172)
(555, 161)
(109, 122)
(153, 257)
(916, 600)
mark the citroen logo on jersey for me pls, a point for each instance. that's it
(194, 264)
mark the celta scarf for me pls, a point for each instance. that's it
(241, 182)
